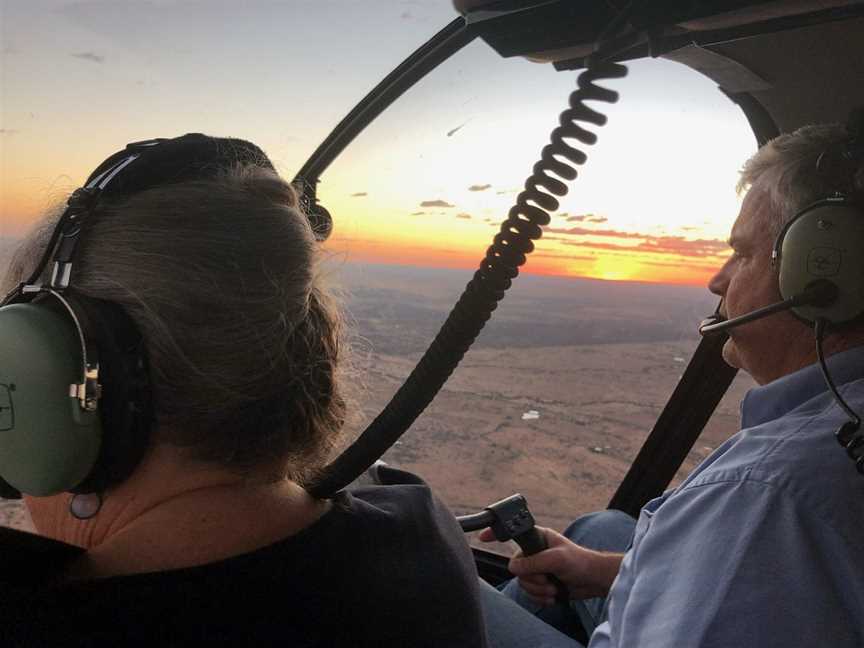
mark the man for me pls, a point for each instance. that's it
(763, 544)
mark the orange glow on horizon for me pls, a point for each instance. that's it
(460, 246)
(635, 267)
(596, 245)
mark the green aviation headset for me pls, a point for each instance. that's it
(75, 398)
(822, 247)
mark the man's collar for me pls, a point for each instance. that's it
(781, 396)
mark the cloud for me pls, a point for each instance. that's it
(602, 246)
(482, 187)
(675, 245)
(465, 216)
(420, 213)
(684, 247)
(648, 243)
(672, 264)
(406, 15)
(436, 203)
(557, 255)
(89, 56)
(584, 231)
(586, 218)
(9, 131)
(359, 194)
(506, 191)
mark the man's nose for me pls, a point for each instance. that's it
(719, 282)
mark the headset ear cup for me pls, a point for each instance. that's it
(48, 444)
(125, 406)
(9, 492)
(824, 242)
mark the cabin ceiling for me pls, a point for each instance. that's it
(806, 75)
(801, 60)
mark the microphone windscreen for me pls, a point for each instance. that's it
(711, 320)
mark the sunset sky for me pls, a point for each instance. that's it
(427, 183)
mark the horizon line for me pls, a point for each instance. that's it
(524, 271)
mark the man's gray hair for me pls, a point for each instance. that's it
(786, 168)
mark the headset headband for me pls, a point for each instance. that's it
(163, 161)
(138, 167)
(839, 164)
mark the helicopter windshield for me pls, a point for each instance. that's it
(566, 380)
(561, 388)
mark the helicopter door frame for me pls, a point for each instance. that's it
(429, 56)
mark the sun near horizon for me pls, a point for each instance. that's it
(609, 266)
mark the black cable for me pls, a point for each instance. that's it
(78, 204)
(508, 251)
(848, 435)
(47, 254)
(821, 325)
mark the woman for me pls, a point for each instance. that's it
(204, 534)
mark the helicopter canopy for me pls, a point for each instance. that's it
(760, 53)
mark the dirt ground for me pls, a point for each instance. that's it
(560, 425)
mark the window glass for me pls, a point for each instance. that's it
(565, 382)
(568, 377)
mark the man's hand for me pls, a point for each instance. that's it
(585, 572)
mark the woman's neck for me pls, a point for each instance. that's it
(202, 526)
(172, 514)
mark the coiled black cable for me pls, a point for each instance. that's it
(487, 287)
(848, 435)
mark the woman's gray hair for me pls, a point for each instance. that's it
(786, 168)
(221, 278)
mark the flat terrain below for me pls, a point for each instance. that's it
(561, 425)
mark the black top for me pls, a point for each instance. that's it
(386, 566)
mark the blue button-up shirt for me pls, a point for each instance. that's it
(762, 545)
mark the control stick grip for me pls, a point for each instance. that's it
(531, 542)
